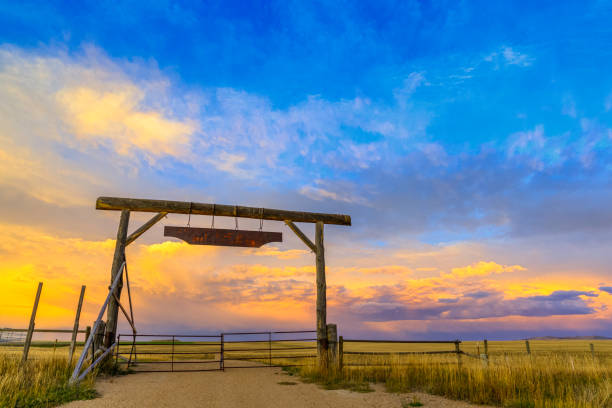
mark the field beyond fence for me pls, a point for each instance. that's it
(540, 374)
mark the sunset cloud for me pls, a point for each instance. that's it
(483, 269)
(189, 277)
(102, 116)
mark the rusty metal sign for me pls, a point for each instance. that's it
(223, 237)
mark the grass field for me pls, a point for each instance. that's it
(40, 382)
(558, 373)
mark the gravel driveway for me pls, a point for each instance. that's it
(246, 387)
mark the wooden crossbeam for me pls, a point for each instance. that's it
(183, 207)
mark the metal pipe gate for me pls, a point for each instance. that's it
(180, 353)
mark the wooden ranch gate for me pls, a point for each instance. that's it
(107, 331)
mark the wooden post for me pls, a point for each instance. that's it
(592, 347)
(54, 347)
(486, 351)
(527, 347)
(75, 329)
(321, 296)
(118, 259)
(28, 340)
(98, 339)
(340, 353)
(458, 352)
(332, 341)
(87, 334)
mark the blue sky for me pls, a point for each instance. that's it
(478, 131)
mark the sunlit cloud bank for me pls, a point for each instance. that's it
(193, 288)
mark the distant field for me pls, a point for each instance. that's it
(239, 349)
(495, 347)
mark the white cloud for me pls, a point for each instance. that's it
(320, 194)
(513, 57)
(509, 56)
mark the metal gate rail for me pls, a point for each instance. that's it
(275, 349)
(156, 348)
(277, 342)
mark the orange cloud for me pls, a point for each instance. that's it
(277, 253)
(175, 284)
(483, 268)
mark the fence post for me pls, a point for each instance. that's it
(486, 351)
(332, 341)
(340, 353)
(592, 347)
(458, 352)
(269, 348)
(75, 329)
(28, 340)
(98, 339)
(221, 360)
(528, 347)
(87, 333)
(172, 369)
(117, 351)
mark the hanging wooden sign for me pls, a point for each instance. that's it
(223, 237)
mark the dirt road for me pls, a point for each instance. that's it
(247, 387)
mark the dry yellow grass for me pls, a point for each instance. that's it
(558, 373)
(40, 382)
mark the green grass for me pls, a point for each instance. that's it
(41, 382)
(414, 403)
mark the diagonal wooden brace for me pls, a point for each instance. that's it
(144, 228)
(301, 236)
(125, 313)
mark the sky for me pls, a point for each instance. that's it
(470, 141)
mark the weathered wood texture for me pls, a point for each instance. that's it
(458, 351)
(340, 353)
(118, 259)
(28, 340)
(321, 295)
(301, 235)
(87, 334)
(182, 207)
(332, 341)
(223, 237)
(527, 347)
(145, 227)
(98, 339)
(75, 330)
